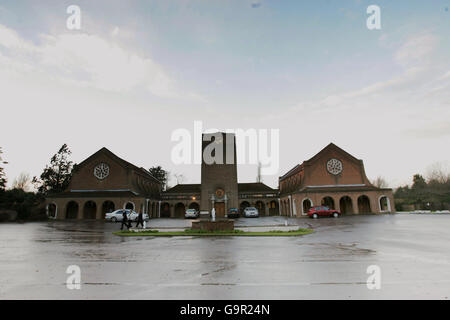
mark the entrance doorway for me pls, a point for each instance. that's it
(72, 210)
(364, 204)
(165, 210)
(273, 208)
(179, 210)
(220, 209)
(346, 205)
(90, 210)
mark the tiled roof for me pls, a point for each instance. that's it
(184, 188)
(141, 170)
(253, 187)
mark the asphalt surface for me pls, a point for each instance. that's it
(412, 251)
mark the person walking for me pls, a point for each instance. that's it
(140, 220)
(124, 220)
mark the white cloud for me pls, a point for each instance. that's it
(10, 39)
(86, 60)
(396, 116)
(415, 56)
(416, 50)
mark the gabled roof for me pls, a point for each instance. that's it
(294, 170)
(119, 160)
(94, 193)
(254, 187)
(185, 188)
(301, 166)
(331, 145)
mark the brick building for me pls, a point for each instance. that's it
(219, 187)
(104, 182)
(332, 178)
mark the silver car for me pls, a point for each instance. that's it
(251, 212)
(117, 215)
(191, 213)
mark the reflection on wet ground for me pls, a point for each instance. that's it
(411, 250)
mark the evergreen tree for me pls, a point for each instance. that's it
(159, 173)
(419, 182)
(2, 173)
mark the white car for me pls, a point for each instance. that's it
(251, 212)
(191, 213)
(118, 215)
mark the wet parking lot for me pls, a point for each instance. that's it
(411, 250)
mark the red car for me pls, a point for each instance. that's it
(320, 211)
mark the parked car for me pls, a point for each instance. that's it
(191, 213)
(251, 212)
(322, 211)
(117, 216)
(233, 213)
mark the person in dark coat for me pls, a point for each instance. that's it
(125, 220)
(140, 220)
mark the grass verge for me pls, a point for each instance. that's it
(203, 233)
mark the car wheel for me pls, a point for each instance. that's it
(315, 216)
(113, 219)
(335, 215)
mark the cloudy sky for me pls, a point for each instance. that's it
(138, 70)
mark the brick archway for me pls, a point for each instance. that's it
(72, 209)
(384, 203)
(129, 205)
(261, 207)
(328, 202)
(194, 205)
(165, 210)
(244, 204)
(273, 208)
(364, 204)
(346, 205)
(52, 210)
(90, 210)
(180, 210)
(306, 205)
(107, 206)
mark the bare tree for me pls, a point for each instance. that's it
(380, 182)
(179, 177)
(23, 182)
(438, 172)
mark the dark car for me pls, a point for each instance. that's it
(233, 213)
(322, 211)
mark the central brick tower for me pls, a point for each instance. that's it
(219, 186)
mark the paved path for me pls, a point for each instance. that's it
(412, 252)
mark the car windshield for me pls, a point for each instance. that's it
(190, 210)
(251, 208)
